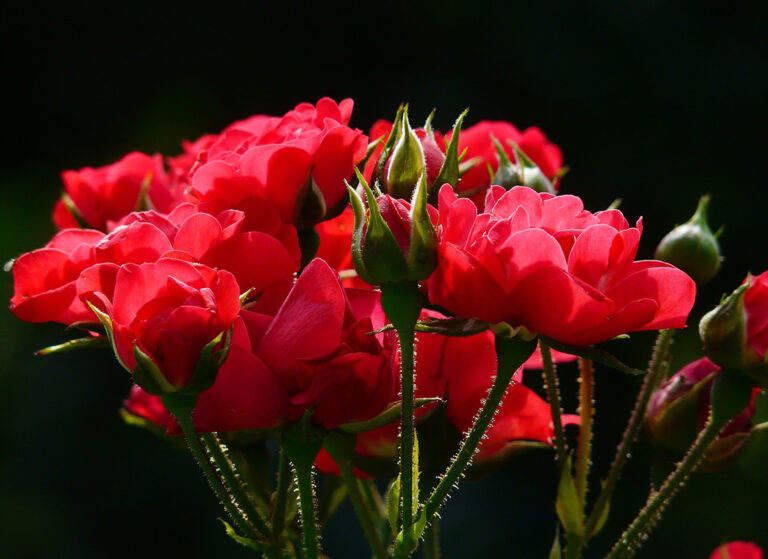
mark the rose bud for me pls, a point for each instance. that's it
(735, 333)
(737, 550)
(396, 241)
(679, 409)
(524, 172)
(692, 246)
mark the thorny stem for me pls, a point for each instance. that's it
(305, 483)
(586, 416)
(281, 494)
(182, 408)
(232, 481)
(432, 542)
(553, 395)
(652, 379)
(472, 440)
(630, 541)
(402, 305)
(362, 510)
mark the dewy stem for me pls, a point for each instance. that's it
(652, 379)
(586, 417)
(553, 395)
(506, 369)
(181, 408)
(630, 541)
(402, 305)
(232, 480)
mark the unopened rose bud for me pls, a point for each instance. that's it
(393, 241)
(407, 162)
(692, 246)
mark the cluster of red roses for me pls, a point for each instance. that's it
(171, 248)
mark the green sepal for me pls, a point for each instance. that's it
(383, 258)
(449, 172)
(207, 366)
(508, 173)
(407, 163)
(256, 545)
(422, 252)
(106, 322)
(148, 376)
(310, 207)
(417, 530)
(309, 243)
(389, 415)
(78, 343)
(302, 441)
(556, 551)
(567, 504)
(388, 145)
(593, 353)
(677, 424)
(138, 421)
(369, 153)
(357, 233)
(70, 205)
(533, 176)
(245, 296)
(428, 125)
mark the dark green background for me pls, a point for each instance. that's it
(654, 102)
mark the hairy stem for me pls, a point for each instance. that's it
(586, 416)
(553, 395)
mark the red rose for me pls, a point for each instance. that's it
(481, 150)
(299, 162)
(45, 279)
(756, 309)
(543, 262)
(737, 550)
(170, 310)
(108, 193)
(183, 165)
(149, 407)
(310, 351)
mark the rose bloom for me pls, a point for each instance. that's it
(543, 262)
(105, 194)
(298, 162)
(737, 550)
(52, 283)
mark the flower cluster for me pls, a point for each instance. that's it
(292, 277)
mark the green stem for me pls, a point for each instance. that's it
(302, 456)
(402, 305)
(432, 542)
(181, 408)
(553, 395)
(652, 379)
(281, 494)
(586, 416)
(232, 480)
(506, 369)
(633, 536)
(362, 510)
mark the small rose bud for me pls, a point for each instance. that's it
(692, 246)
(735, 333)
(407, 163)
(393, 241)
(679, 409)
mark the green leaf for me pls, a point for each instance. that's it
(567, 504)
(450, 172)
(393, 504)
(556, 551)
(459, 327)
(389, 415)
(603, 518)
(78, 343)
(596, 355)
(242, 540)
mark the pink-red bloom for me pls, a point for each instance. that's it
(105, 194)
(737, 550)
(298, 162)
(543, 262)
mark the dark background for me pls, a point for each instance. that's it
(654, 102)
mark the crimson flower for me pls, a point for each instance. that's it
(543, 262)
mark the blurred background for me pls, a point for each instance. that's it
(654, 102)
